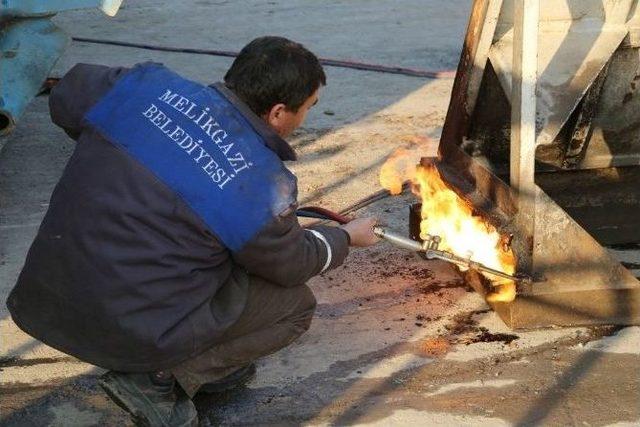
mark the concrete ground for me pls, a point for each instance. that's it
(396, 340)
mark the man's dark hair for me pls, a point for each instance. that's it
(273, 70)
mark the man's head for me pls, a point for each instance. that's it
(278, 79)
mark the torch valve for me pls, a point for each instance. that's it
(431, 242)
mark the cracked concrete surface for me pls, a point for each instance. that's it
(396, 340)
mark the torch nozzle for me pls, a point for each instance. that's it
(430, 248)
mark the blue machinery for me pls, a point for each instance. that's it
(30, 44)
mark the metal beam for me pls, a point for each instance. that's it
(523, 118)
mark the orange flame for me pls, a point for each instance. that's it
(447, 215)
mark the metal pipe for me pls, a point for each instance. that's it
(397, 240)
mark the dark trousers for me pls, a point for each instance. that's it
(273, 318)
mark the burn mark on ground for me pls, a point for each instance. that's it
(407, 272)
(373, 301)
(463, 323)
(408, 280)
(421, 317)
(430, 288)
(383, 265)
(464, 329)
(485, 336)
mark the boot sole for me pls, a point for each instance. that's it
(138, 419)
(121, 393)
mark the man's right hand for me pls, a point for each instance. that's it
(361, 231)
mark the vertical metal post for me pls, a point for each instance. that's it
(523, 115)
(480, 31)
(480, 51)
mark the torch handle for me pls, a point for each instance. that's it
(397, 240)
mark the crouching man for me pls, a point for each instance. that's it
(171, 253)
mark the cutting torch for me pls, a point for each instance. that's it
(429, 247)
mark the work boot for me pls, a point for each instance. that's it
(152, 399)
(233, 380)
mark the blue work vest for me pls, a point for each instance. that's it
(195, 141)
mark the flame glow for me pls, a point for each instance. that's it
(447, 215)
(396, 170)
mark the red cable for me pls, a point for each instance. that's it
(324, 61)
(333, 216)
